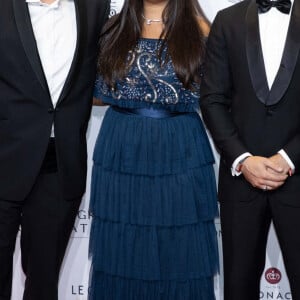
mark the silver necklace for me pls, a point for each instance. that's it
(150, 21)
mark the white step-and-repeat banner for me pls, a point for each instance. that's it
(75, 271)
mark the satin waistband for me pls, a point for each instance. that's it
(148, 112)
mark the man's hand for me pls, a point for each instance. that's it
(263, 173)
(281, 162)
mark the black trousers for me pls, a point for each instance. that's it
(245, 227)
(46, 221)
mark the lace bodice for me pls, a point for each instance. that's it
(149, 83)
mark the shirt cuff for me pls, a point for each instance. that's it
(234, 171)
(288, 160)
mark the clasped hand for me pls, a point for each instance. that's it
(265, 173)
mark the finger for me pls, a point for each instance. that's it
(277, 177)
(270, 185)
(285, 171)
(272, 165)
(274, 185)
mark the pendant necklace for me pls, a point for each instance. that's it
(150, 21)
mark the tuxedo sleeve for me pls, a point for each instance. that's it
(103, 15)
(292, 149)
(216, 90)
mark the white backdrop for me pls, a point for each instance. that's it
(75, 271)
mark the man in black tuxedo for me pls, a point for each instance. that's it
(48, 51)
(250, 103)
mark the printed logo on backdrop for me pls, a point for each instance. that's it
(82, 225)
(275, 295)
(79, 290)
(273, 290)
(273, 275)
(115, 6)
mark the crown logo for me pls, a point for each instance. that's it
(273, 275)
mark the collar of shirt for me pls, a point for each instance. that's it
(273, 28)
(55, 4)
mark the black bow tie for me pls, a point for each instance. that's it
(282, 5)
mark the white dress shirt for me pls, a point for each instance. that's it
(55, 31)
(273, 27)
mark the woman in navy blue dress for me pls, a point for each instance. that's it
(153, 188)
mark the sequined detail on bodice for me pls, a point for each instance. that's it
(149, 82)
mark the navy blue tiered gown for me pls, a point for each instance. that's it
(153, 189)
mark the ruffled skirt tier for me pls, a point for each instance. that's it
(153, 202)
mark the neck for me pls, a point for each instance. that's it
(154, 10)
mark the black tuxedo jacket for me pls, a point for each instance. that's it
(26, 110)
(238, 107)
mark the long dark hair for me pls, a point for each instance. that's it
(182, 35)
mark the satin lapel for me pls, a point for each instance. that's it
(289, 58)
(81, 23)
(25, 30)
(254, 54)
